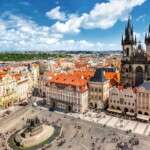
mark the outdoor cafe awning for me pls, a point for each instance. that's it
(130, 114)
(143, 117)
(114, 110)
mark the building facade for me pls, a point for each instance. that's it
(131, 102)
(67, 91)
(143, 101)
(98, 90)
(8, 94)
(135, 63)
(122, 101)
(66, 98)
(17, 84)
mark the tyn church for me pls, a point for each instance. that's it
(135, 63)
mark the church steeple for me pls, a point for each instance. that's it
(129, 37)
(122, 42)
(129, 26)
(135, 39)
(147, 37)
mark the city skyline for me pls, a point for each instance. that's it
(69, 25)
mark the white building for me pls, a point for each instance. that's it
(122, 101)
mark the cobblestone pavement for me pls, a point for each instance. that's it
(80, 134)
(118, 123)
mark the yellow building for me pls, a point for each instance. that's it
(17, 84)
(8, 94)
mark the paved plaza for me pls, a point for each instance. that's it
(114, 122)
(92, 132)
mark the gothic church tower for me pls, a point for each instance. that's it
(134, 63)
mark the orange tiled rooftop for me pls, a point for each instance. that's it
(75, 78)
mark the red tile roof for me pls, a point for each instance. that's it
(75, 79)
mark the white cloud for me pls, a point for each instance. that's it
(103, 16)
(70, 26)
(83, 45)
(18, 33)
(56, 14)
(2, 26)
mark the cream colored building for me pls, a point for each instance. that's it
(66, 98)
(143, 101)
(17, 84)
(65, 92)
(23, 90)
(8, 94)
(122, 101)
(35, 74)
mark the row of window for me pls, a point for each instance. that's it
(65, 98)
(120, 102)
(144, 94)
(95, 97)
(116, 94)
(96, 89)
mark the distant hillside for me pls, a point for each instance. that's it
(29, 56)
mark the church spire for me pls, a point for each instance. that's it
(129, 37)
(129, 23)
(147, 36)
(135, 39)
(122, 40)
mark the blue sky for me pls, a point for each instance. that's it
(69, 24)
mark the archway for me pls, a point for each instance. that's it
(130, 68)
(139, 112)
(132, 111)
(53, 105)
(139, 76)
(118, 108)
(112, 107)
(91, 105)
(9, 104)
(95, 106)
(126, 110)
(44, 94)
(69, 109)
(146, 113)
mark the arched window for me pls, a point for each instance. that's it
(127, 70)
(126, 110)
(118, 108)
(112, 107)
(130, 68)
(139, 75)
(95, 105)
(127, 51)
(132, 111)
